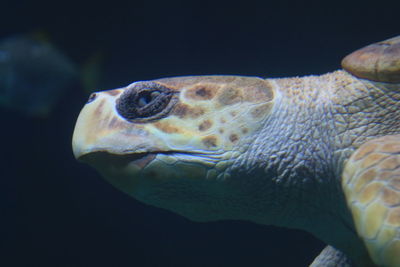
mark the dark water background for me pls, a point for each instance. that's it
(58, 212)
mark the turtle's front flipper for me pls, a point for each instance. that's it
(371, 183)
(331, 257)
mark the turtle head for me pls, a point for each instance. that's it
(170, 142)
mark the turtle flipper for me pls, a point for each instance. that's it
(371, 183)
(331, 257)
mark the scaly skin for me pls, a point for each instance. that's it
(269, 151)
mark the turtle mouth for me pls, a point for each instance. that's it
(102, 158)
(106, 158)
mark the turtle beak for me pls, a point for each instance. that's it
(97, 125)
(99, 128)
(90, 118)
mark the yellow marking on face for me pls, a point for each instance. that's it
(112, 92)
(167, 128)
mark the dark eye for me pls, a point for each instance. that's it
(146, 101)
(146, 97)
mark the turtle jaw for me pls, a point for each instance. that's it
(149, 178)
(123, 171)
(104, 158)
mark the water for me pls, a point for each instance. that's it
(58, 212)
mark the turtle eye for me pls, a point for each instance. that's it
(146, 97)
(146, 101)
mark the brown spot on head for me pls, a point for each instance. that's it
(205, 125)
(245, 130)
(116, 123)
(185, 111)
(112, 92)
(229, 96)
(166, 127)
(210, 141)
(223, 120)
(233, 138)
(221, 130)
(196, 112)
(233, 113)
(99, 107)
(258, 91)
(113, 122)
(260, 111)
(202, 91)
(180, 110)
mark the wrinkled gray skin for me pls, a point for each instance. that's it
(302, 147)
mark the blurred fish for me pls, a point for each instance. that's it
(33, 75)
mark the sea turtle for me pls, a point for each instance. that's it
(318, 153)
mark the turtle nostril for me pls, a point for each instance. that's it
(92, 97)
